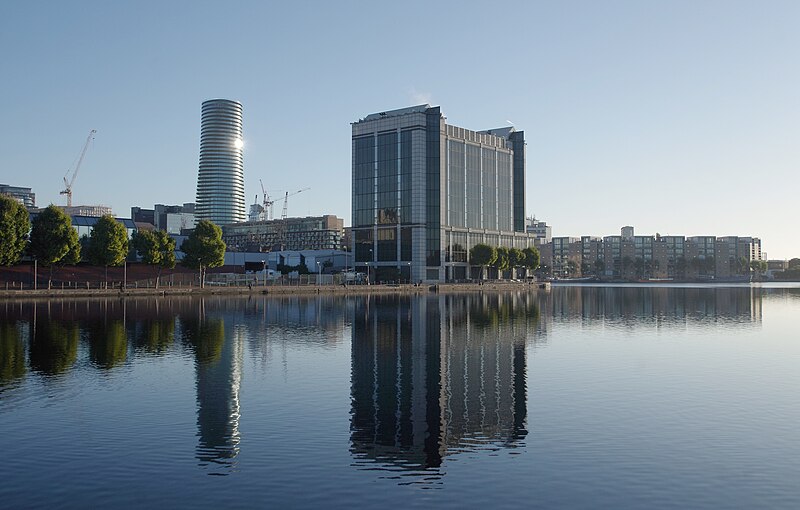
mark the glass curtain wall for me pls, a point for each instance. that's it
(489, 157)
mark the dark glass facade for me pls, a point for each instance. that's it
(425, 192)
(433, 137)
(363, 181)
(382, 196)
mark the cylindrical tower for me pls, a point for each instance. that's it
(220, 179)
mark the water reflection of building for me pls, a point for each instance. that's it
(434, 375)
(218, 366)
(661, 305)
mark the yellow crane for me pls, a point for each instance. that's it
(68, 183)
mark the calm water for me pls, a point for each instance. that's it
(584, 397)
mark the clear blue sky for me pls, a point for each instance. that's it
(679, 117)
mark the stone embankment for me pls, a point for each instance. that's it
(277, 290)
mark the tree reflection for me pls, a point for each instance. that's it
(108, 343)
(53, 346)
(205, 337)
(156, 336)
(12, 354)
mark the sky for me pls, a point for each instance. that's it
(678, 118)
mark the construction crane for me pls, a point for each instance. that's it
(281, 230)
(286, 201)
(68, 184)
(267, 202)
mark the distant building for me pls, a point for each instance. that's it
(542, 231)
(316, 261)
(23, 195)
(566, 255)
(174, 218)
(425, 192)
(140, 215)
(169, 218)
(309, 233)
(669, 253)
(626, 233)
(87, 210)
(591, 254)
(220, 177)
(629, 256)
(85, 224)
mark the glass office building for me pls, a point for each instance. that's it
(425, 192)
(220, 179)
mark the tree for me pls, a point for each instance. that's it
(794, 263)
(532, 258)
(759, 266)
(156, 249)
(53, 240)
(680, 267)
(599, 267)
(482, 255)
(638, 266)
(696, 263)
(516, 258)
(501, 263)
(572, 267)
(708, 265)
(204, 248)
(108, 242)
(14, 228)
(627, 262)
(739, 266)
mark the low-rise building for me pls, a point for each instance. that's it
(94, 211)
(309, 233)
(631, 257)
(566, 256)
(174, 218)
(23, 195)
(542, 231)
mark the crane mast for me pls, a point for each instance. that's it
(68, 184)
(281, 230)
(267, 202)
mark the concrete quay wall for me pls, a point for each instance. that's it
(275, 290)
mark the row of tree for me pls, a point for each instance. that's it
(51, 240)
(502, 258)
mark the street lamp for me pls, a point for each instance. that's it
(369, 276)
(264, 268)
(319, 273)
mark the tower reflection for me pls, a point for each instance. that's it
(218, 367)
(432, 376)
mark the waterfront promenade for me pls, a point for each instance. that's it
(308, 289)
